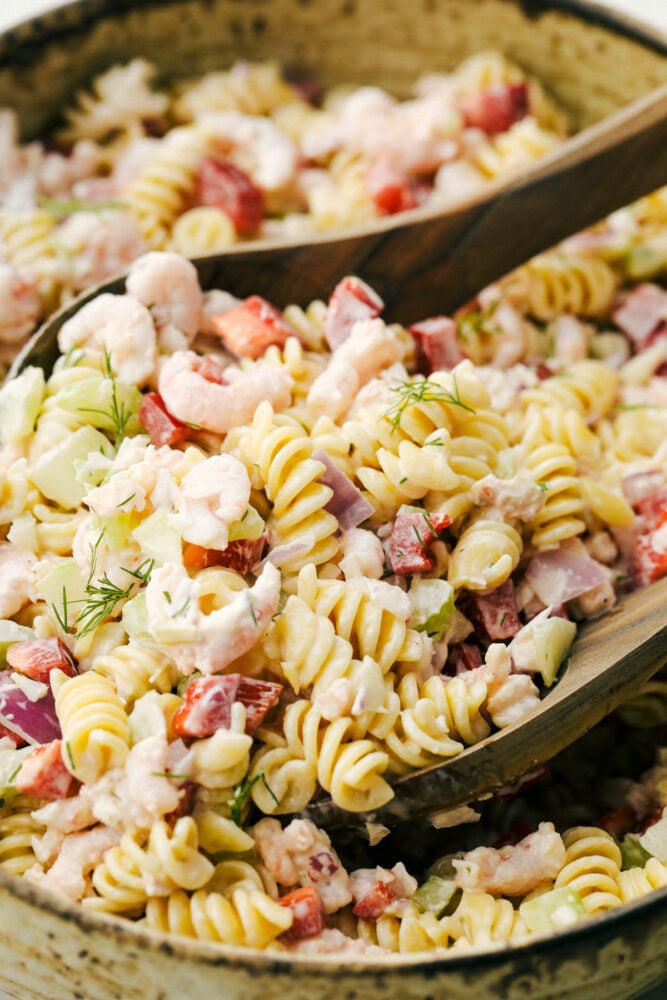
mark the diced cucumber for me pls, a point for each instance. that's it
(54, 472)
(251, 526)
(553, 911)
(543, 644)
(64, 589)
(158, 539)
(10, 633)
(632, 853)
(135, 617)
(103, 403)
(20, 402)
(432, 606)
(435, 894)
(654, 838)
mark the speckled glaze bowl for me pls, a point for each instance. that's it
(595, 63)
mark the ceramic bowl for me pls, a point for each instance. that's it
(58, 951)
(595, 63)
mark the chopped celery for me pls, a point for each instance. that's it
(443, 867)
(11, 632)
(543, 644)
(251, 526)
(10, 765)
(432, 606)
(135, 617)
(99, 401)
(553, 910)
(64, 589)
(20, 401)
(158, 539)
(654, 838)
(117, 529)
(54, 472)
(632, 852)
(435, 894)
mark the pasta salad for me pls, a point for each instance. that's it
(252, 555)
(243, 154)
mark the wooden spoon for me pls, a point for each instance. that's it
(610, 659)
(425, 262)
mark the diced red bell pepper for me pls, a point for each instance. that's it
(209, 369)
(496, 108)
(186, 803)
(437, 344)
(351, 300)
(162, 427)
(653, 509)
(207, 703)
(372, 905)
(642, 312)
(241, 555)
(648, 559)
(17, 740)
(43, 773)
(223, 185)
(390, 189)
(36, 658)
(496, 611)
(411, 537)
(308, 913)
(259, 697)
(462, 656)
(252, 326)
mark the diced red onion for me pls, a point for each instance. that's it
(282, 554)
(347, 503)
(558, 576)
(34, 721)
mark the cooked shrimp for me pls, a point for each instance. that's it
(370, 347)
(99, 244)
(123, 327)
(168, 285)
(302, 854)
(257, 146)
(363, 555)
(21, 305)
(219, 407)
(16, 578)
(513, 870)
(213, 494)
(208, 642)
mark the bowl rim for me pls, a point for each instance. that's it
(17, 43)
(214, 954)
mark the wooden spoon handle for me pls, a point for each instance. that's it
(428, 263)
(611, 658)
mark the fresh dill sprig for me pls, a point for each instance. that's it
(104, 596)
(118, 413)
(423, 391)
(241, 792)
(60, 208)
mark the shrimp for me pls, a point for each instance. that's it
(301, 853)
(16, 578)
(100, 244)
(514, 870)
(257, 146)
(370, 347)
(122, 326)
(213, 494)
(168, 285)
(21, 305)
(363, 555)
(208, 642)
(219, 407)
